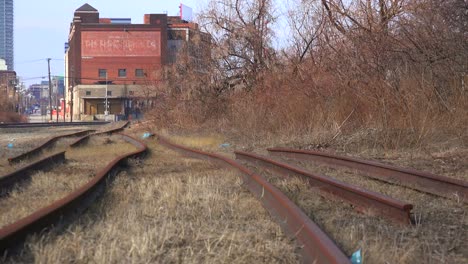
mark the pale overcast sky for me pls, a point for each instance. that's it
(41, 28)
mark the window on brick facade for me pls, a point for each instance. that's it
(88, 92)
(102, 73)
(109, 93)
(139, 73)
(122, 72)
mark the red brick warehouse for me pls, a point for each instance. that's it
(115, 57)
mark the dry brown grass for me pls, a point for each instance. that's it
(25, 139)
(439, 235)
(47, 187)
(100, 150)
(44, 188)
(321, 105)
(21, 142)
(430, 144)
(168, 209)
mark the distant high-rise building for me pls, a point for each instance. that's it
(6, 32)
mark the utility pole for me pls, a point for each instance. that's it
(50, 89)
(106, 103)
(56, 99)
(72, 81)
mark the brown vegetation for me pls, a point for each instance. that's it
(11, 117)
(361, 76)
(436, 237)
(372, 77)
(48, 186)
(168, 209)
(393, 70)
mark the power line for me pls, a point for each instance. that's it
(32, 78)
(29, 61)
(37, 60)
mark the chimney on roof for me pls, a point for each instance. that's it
(156, 19)
(87, 14)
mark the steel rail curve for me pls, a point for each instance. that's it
(83, 139)
(45, 145)
(315, 245)
(9, 180)
(75, 202)
(365, 201)
(418, 180)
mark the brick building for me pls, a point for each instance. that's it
(8, 93)
(111, 59)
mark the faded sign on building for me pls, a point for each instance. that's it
(116, 44)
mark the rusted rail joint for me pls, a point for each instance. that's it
(316, 246)
(422, 181)
(45, 145)
(365, 201)
(77, 201)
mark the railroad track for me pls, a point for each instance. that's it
(418, 180)
(315, 245)
(8, 181)
(83, 136)
(313, 242)
(302, 228)
(44, 145)
(364, 200)
(51, 124)
(78, 200)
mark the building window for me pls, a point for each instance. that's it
(122, 72)
(139, 73)
(102, 73)
(109, 93)
(88, 92)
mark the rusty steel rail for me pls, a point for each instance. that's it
(45, 145)
(9, 180)
(365, 201)
(82, 140)
(315, 245)
(52, 124)
(75, 202)
(418, 180)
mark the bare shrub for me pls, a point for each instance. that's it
(11, 117)
(392, 70)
